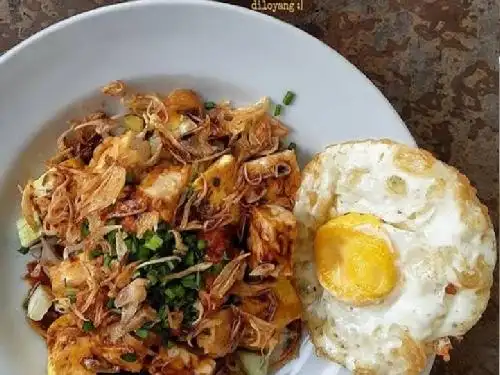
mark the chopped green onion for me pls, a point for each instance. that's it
(26, 302)
(148, 234)
(111, 303)
(170, 265)
(163, 226)
(111, 237)
(129, 357)
(88, 326)
(210, 105)
(198, 279)
(107, 260)
(216, 268)
(190, 314)
(289, 97)
(169, 294)
(148, 325)
(23, 250)
(169, 344)
(95, 254)
(174, 292)
(190, 282)
(143, 253)
(154, 242)
(84, 228)
(189, 259)
(142, 333)
(190, 240)
(277, 109)
(202, 244)
(130, 178)
(71, 296)
(132, 244)
(162, 313)
(152, 276)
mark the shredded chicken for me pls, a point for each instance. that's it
(232, 272)
(271, 238)
(101, 191)
(130, 297)
(258, 334)
(218, 334)
(272, 179)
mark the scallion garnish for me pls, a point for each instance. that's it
(163, 226)
(71, 296)
(84, 228)
(95, 254)
(173, 293)
(288, 98)
(189, 258)
(154, 242)
(111, 237)
(201, 244)
(277, 109)
(23, 250)
(107, 260)
(142, 333)
(210, 105)
(88, 326)
(152, 276)
(216, 269)
(170, 265)
(190, 282)
(132, 244)
(169, 344)
(143, 253)
(130, 178)
(129, 357)
(111, 303)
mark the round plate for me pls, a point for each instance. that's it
(225, 52)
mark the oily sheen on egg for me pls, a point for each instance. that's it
(395, 254)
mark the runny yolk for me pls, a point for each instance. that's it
(355, 265)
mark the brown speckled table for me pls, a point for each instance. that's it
(436, 61)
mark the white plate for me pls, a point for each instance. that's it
(220, 50)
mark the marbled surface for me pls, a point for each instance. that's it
(436, 61)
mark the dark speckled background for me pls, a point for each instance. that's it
(436, 61)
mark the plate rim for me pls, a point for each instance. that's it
(60, 25)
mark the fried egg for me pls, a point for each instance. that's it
(395, 254)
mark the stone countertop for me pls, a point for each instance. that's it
(435, 60)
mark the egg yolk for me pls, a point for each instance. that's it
(355, 265)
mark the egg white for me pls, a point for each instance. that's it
(438, 229)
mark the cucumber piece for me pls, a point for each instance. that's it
(253, 363)
(26, 234)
